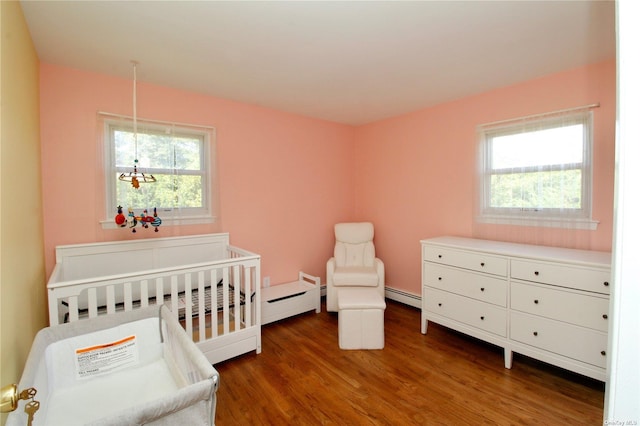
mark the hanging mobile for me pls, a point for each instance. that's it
(136, 177)
(144, 219)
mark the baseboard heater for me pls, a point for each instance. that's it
(393, 294)
(403, 297)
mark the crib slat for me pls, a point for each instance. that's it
(201, 307)
(215, 278)
(54, 318)
(92, 301)
(144, 293)
(174, 296)
(257, 278)
(188, 306)
(128, 297)
(254, 285)
(73, 308)
(236, 297)
(225, 300)
(247, 296)
(111, 300)
(160, 291)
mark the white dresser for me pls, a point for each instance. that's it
(548, 303)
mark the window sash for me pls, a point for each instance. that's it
(174, 133)
(488, 133)
(536, 169)
(112, 171)
(164, 171)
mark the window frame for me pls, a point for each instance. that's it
(170, 216)
(580, 218)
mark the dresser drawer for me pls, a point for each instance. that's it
(594, 280)
(574, 342)
(477, 314)
(575, 308)
(468, 260)
(486, 288)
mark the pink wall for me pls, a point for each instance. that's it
(415, 173)
(284, 179)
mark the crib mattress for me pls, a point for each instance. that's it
(128, 368)
(98, 398)
(182, 301)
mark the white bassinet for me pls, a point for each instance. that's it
(133, 368)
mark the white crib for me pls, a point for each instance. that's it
(213, 288)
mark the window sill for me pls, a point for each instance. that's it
(568, 223)
(187, 220)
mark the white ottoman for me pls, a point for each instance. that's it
(360, 318)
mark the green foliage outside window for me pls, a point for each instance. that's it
(537, 190)
(174, 160)
(167, 193)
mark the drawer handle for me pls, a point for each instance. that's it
(439, 278)
(481, 288)
(439, 256)
(482, 264)
(603, 353)
(605, 316)
(535, 301)
(439, 304)
(482, 318)
(536, 273)
(535, 333)
(606, 283)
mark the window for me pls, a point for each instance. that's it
(179, 157)
(537, 171)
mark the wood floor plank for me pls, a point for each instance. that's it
(442, 378)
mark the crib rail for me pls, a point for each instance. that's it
(183, 289)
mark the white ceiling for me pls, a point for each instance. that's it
(350, 62)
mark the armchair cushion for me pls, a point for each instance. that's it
(355, 276)
(354, 245)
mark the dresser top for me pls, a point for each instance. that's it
(587, 257)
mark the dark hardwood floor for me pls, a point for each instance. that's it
(442, 378)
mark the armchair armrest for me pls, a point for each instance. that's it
(380, 270)
(331, 267)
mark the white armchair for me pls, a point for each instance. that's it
(354, 262)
